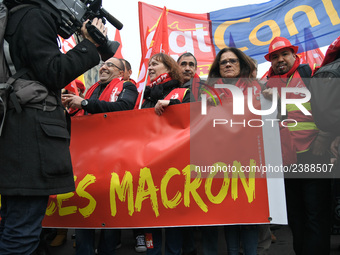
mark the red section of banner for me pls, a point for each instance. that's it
(232, 144)
(186, 33)
(132, 169)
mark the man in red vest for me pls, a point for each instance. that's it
(308, 195)
(111, 93)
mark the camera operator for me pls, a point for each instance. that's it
(35, 159)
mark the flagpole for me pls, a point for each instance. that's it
(157, 42)
(146, 80)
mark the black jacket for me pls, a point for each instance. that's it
(34, 146)
(126, 100)
(160, 91)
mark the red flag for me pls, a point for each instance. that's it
(142, 66)
(159, 43)
(312, 57)
(72, 87)
(117, 38)
(312, 54)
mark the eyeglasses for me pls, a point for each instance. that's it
(109, 64)
(232, 61)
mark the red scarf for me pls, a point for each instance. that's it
(281, 80)
(133, 81)
(243, 84)
(271, 73)
(165, 77)
(106, 94)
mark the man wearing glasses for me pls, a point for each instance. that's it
(109, 94)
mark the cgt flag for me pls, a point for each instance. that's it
(159, 43)
(187, 32)
(206, 34)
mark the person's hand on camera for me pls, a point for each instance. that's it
(98, 23)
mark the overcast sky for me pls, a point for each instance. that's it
(126, 11)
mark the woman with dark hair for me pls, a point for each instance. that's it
(164, 90)
(232, 66)
(235, 67)
(241, 63)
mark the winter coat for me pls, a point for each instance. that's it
(34, 147)
(160, 91)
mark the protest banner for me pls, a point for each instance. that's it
(137, 169)
(205, 34)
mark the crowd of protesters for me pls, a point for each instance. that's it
(308, 200)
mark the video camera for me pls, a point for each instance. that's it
(75, 12)
(71, 14)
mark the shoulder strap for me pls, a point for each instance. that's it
(8, 58)
(6, 52)
(17, 75)
(12, 96)
(3, 24)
